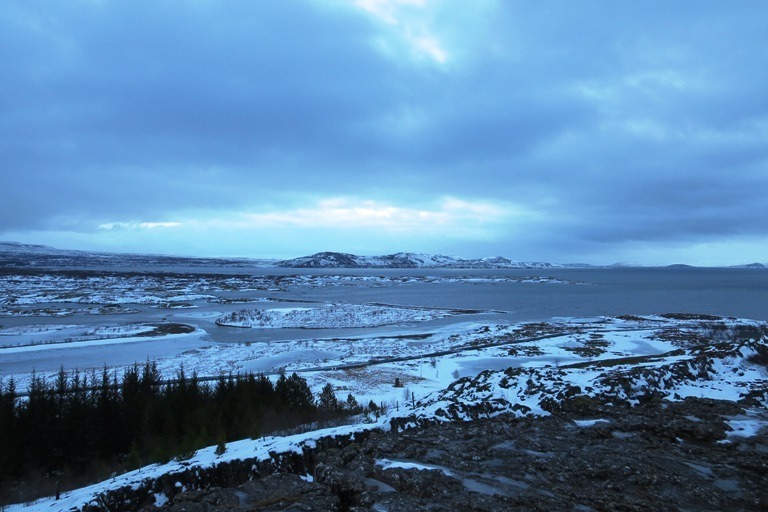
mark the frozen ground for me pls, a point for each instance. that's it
(30, 338)
(611, 359)
(17, 291)
(423, 362)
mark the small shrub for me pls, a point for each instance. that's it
(185, 455)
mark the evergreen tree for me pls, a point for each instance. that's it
(327, 400)
(9, 448)
(85, 420)
(298, 395)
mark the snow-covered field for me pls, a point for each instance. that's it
(138, 288)
(31, 338)
(367, 365)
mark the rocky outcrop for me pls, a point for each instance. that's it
(734, 369)
(587, 456)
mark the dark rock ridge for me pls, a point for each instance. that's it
(587, 456)
(404, 260)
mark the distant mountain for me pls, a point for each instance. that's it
(746, 265)
(18, 255)
(19, 247)
(404, 260)
(751, 265)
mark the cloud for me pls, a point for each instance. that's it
(118, 226)
(593, 127)
(388, 11)
(449, 218)
(412, 25)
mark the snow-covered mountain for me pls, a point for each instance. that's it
(14, 254)
(19, 255)
(405, 260)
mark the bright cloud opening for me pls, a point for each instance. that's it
(346, 224)
(409, 21)
(117, 226)
(450, 213)
(388, 11)
(449, 218)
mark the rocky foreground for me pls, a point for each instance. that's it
(588, 456)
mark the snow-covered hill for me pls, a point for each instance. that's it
(330, 316)
(404, 260)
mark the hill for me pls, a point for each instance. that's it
(405, 260)
(17, 255)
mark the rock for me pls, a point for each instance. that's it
(658, 456)
(347, 485)
(286, 492)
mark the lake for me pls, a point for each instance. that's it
(739, 292)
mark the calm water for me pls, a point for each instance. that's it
(726, 292)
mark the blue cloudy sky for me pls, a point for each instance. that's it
(596, 131)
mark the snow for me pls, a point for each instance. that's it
(747, 425)
(745, 428)
(589, 423)
(404, 464)
(699, 371)
(405, 260)
(42, 332)
(127, 338)
(160, 499)
(330, 316)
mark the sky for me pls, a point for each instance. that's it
(591, 131)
